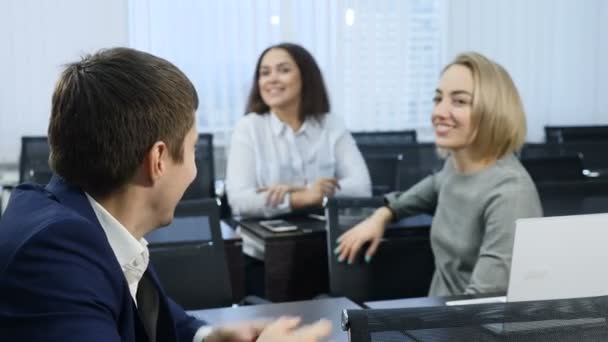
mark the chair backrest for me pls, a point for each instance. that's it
(417, 161)
(555, 169)
(574, 198)
(189, 256)
(34, 160)
(383, 171)
(385, 138)
(383, 144)
(203, 185)
(565, 134)
(593, 153)
(402, 266)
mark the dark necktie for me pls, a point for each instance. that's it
(147, 305)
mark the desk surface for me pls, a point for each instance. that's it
(310, 311)
(421, 301)
(313, 226)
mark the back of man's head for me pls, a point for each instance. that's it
(109, 109)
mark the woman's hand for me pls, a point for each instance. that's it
(326, 186)
(369, 230)
(275, 194)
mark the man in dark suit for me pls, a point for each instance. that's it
(73, 261)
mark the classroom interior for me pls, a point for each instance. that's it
(381, 61)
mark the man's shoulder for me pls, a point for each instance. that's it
(33, 214)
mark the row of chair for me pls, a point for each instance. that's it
(35, 152)
(388, 147)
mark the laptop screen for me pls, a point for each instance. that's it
(559, 257)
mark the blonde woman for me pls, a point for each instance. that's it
(481, 190)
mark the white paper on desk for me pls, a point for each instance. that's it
(487, 300)
(252, 245)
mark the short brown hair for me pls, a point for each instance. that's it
(109, 109)
(314, 102)
(497, 114)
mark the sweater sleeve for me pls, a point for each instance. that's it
(419, 199)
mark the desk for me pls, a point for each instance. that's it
(309, 311)
(421, 301)
(296, 263)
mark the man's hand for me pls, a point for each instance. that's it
(239, 332)
(285, 329)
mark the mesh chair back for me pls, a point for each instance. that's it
(581, 319)
(402, 266)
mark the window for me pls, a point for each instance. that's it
(380, 58)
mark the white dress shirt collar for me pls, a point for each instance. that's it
(279, 127)
(132, 254)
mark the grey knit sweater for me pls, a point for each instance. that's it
(473, 223)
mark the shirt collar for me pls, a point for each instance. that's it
(279, 127)
(126, 247)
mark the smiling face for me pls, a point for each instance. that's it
(452, 111)
(279, 80)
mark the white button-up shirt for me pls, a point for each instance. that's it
(264, 151)
(132, 254)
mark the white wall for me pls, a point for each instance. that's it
(555, 50)
(37, 37)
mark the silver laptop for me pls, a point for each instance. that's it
(559, 257)
(555, 258)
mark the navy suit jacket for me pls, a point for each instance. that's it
(60, 280)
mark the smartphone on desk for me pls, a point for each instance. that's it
(278, 226)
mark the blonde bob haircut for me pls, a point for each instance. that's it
(497, 115)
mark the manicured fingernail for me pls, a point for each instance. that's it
(368, 258)
(337, 250)
(338, 240)
(340, 258)
(349, 262)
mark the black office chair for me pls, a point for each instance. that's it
(203, 185)
(402, 266)
(574, 198)
(555, 169)
(540, 150)
(385, 137)
(189, 256)
(383, 171)
(383, 143)
(34, 160)
(566, 134)
(417, 161)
